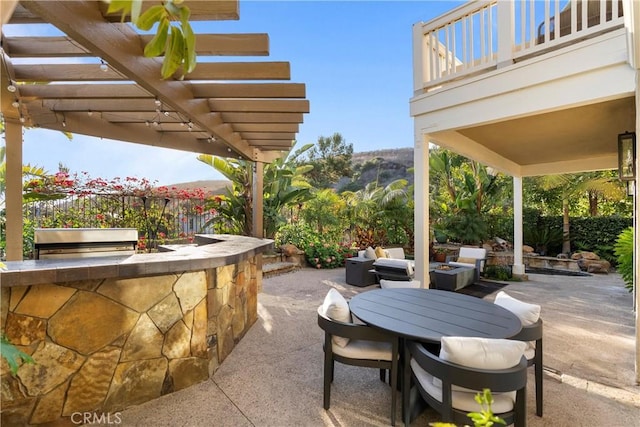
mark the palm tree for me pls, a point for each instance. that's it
(572, 185)
(284, 184)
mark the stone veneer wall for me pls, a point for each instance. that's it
(101, 346)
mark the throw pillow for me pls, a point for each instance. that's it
(482, 353)
(466, 260)
(370, 253)
(380, 253)
(527, 313)
(335, 307)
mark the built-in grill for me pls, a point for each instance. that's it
(56, 243)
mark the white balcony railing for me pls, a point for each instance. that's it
(484, 34)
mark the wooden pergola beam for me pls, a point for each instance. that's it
(248, 90)
(262, 117)
(266, 127)
(203, 71)
(206, 45)
(253, 136)
(217, 10)
(199, 90)
(259, 105)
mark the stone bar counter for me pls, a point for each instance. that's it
(112, 332)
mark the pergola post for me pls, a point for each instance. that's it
(13, 191)
(518, 264)
(421, 209)
(258, 199)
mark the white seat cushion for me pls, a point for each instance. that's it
(393, 284)
(362, 349)
(335, 307)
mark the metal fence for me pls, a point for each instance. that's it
(156, 219)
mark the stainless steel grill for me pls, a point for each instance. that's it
(56, 243)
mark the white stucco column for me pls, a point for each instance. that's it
(421, 209)
(13, 191)
(518, 264)
(258, 199)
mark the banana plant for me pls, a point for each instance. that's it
(174, 36)
(284, 184)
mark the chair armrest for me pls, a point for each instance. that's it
(530, 332)
(352, 330)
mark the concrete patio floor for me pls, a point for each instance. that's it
(274, 375)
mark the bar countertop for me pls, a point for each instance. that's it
(213, 250)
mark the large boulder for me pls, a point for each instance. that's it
(585, 255)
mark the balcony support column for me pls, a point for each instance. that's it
(518, 269)
(422, 237)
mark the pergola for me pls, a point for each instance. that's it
(94, 80)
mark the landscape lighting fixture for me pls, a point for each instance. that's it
(627, 156)
(15, 104)
(12, 86)
(103, 65)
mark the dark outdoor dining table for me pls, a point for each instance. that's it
(429, 314)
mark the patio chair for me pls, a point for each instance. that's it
(355, 344)
(449, 382)
(531, 333)
(393, 269)
(471, 257)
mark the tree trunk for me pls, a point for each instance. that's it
(566, 241)
(593, 203)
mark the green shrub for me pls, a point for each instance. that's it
(624, 251)
(327, 255)
(298, 234)
(498, 272)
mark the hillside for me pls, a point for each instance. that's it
(384, 166)
(209, 186)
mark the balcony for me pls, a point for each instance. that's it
(528, 87)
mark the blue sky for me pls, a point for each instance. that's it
(354, 57)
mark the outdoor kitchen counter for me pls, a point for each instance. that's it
(112, 332)
(213, 250)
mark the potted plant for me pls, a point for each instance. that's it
(440, 254)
